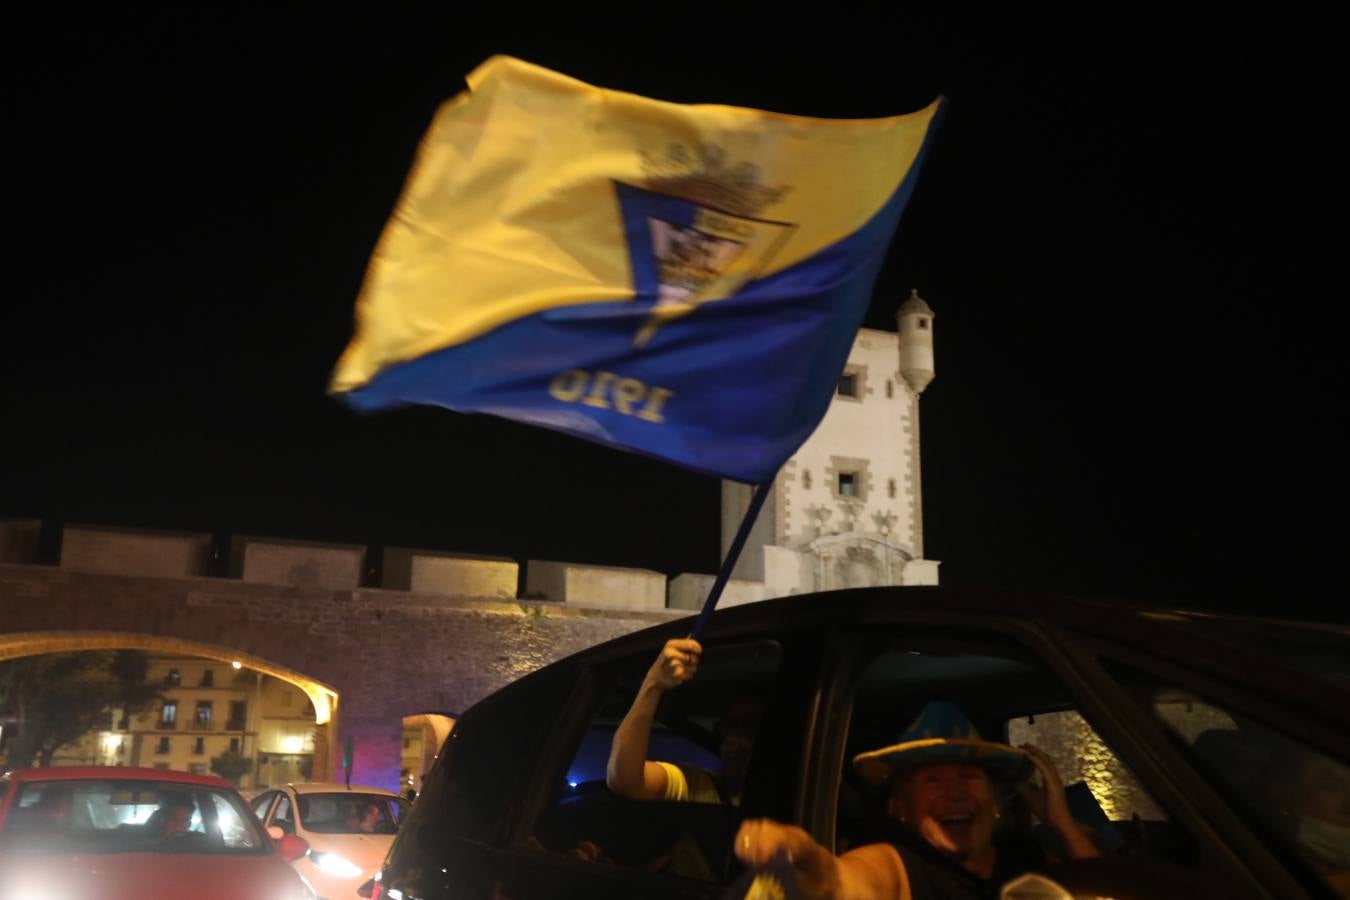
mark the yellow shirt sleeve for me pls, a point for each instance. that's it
(677, 787)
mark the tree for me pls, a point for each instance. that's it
(56, 698)
(231, 765)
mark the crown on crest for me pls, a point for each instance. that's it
(704, 176)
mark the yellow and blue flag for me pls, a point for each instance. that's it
(682, 281)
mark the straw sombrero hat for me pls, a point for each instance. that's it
(941, 734)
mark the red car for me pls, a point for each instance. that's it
(100, 833)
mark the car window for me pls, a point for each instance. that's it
(348, 812)
(1296, 798)
(1009, 697)
(706, 734)
(1081, 755)
(124, 815)
(224, 815)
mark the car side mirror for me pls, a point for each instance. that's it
(275, 832)
(292, 848)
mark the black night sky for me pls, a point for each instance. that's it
(1130, 232)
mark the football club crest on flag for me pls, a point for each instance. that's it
(705, 237)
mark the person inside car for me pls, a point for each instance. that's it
(364, 817)
(631, 774)
(176, 815)
(940, 778)
(171, 819)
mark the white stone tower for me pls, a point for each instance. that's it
(846, 510)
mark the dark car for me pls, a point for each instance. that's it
(1191, 746)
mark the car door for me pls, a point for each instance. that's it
(449, 845)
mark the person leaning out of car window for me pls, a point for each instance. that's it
(941, 780)
(631, 774)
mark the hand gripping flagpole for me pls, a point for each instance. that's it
(733, 554)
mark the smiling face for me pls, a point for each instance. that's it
(950, 805)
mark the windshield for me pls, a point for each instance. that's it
(351, 812)
(125, 816)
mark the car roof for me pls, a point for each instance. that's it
(118, 773)
(1159, 631)
(864, 606)
(321, 787)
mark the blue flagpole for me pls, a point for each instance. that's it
(733, 554)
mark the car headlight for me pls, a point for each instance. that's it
(332, 864)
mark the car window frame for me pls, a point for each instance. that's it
(1097, 696)
(265, 815)
(854, 646)
(593, 684)
(294, 821)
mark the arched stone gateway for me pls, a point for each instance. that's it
(365, 657)
(321, 696)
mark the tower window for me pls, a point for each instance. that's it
(923, 324)
(847, 479)
(890, 487)
(890, 388)
(848, 385)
